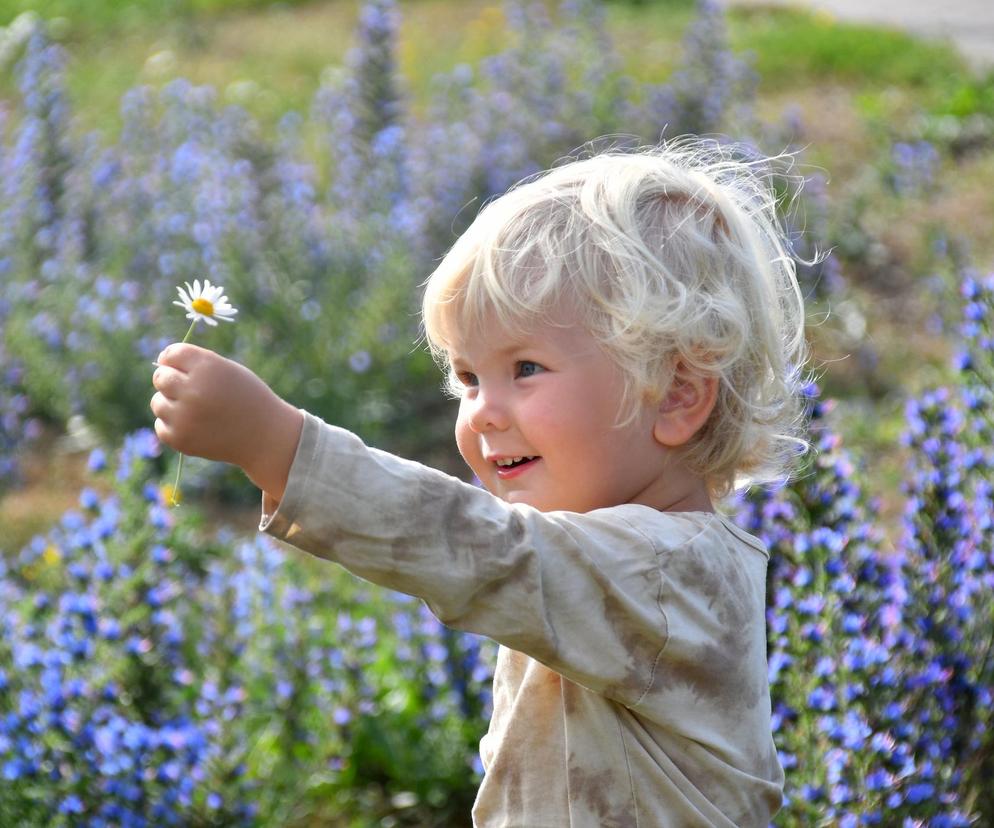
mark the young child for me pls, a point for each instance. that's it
(624, 334)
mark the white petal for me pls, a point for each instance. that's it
(184, 296)
(210, 321)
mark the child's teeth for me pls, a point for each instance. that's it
(510, 461)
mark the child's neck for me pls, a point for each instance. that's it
(691, 502)
(676, 492)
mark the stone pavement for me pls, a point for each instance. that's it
(968, 23)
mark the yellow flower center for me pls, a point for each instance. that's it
(204, 306)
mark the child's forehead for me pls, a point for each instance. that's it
(492, 334)
(494, 338)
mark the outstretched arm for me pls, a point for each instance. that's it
(209, 406)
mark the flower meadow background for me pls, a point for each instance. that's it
(167, 666)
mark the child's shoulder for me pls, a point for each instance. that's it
(688, 531)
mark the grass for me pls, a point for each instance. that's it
(92, 17)
(795, 48)
(648, 36)
(53, 480)
(283, 48)
(269, 59)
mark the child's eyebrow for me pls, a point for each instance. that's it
(513, 347)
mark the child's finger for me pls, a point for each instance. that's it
(163, 432)
(177, 355)
(164, 356)
(161, 405)
(167, 381)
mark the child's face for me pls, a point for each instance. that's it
(552, 396)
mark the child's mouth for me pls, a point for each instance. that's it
(512, 467)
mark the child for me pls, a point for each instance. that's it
(624, 335)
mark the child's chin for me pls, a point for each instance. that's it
(527, 499)
(517, 497)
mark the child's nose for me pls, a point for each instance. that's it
(488, 412)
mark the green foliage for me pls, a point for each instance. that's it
(970, 96)
(100, 16)
(682, 5)
(793, 48)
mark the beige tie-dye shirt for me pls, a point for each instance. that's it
(631, 684)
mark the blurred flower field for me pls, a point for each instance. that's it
(159, 667)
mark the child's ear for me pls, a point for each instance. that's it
(685, 407)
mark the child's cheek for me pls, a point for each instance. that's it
(547, 416)
(467, 441)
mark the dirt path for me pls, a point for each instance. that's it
(968, 23)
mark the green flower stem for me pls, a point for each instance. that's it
(179, 466)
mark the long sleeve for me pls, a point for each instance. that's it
(580, 593)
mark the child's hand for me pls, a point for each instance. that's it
(211, 407)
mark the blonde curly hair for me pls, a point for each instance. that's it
(668, 255)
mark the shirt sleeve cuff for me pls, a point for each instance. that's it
(278, 517)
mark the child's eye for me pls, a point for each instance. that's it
(529, 369)
(467, 379)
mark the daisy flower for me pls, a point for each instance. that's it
(208, 303)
